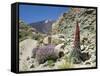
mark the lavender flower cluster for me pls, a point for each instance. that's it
(45, 53)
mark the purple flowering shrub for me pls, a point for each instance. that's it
(46, 53)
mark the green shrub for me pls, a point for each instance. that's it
(50, 63)
(65, 63)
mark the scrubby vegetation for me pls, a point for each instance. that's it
(25, 31)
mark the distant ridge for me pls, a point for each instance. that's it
(43, 26)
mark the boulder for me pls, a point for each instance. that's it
(55, 39)
(26, 47)
(25, 53)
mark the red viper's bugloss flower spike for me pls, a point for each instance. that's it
(76, 52)
(77, 36)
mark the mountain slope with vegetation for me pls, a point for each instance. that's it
(24, 30)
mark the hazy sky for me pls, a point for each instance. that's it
(33, 13)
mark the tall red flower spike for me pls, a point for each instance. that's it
(76, 54)
(77, 36)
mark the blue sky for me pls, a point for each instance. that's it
(30, 13)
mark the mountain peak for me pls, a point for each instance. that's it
(46, 21)
(43, 26)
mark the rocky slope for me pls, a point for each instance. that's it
(87, 21)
